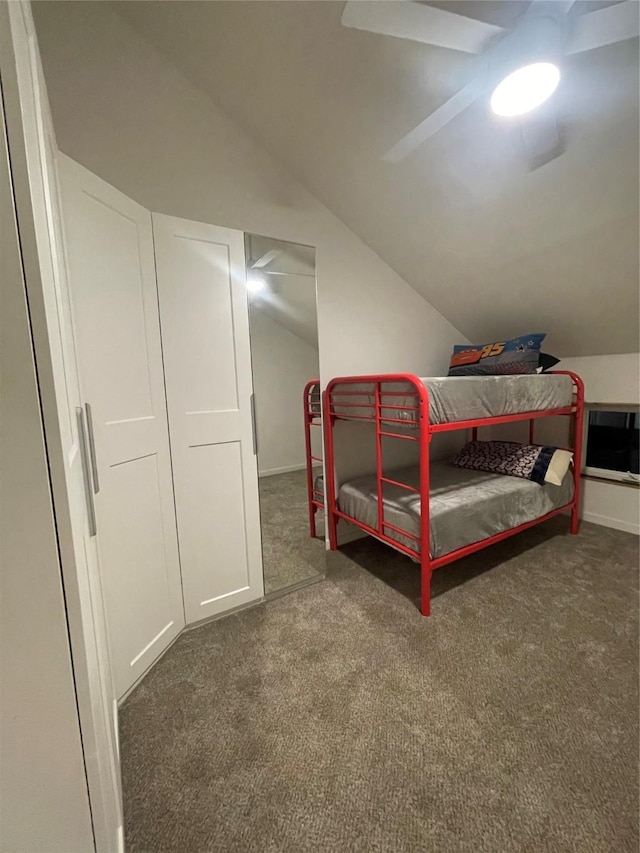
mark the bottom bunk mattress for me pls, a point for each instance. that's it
(318, 488)
(465, 506)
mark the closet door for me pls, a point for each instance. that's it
(115, 311)
(205, 334)
(45, 802)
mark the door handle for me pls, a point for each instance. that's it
(254, 430)
(92, 450)
(88, 494)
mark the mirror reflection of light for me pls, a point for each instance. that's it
(255, 284)
(525, 89)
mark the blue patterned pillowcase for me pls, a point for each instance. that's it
(519, 355)
(506, 457)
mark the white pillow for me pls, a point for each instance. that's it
(558, 467)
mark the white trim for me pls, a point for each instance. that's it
(120, 702)
(287, 468)
(613, 407)
(613, 476)
(615, 523)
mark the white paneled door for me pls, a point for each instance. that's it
(205, 334)
(111, 265)
(35, 190)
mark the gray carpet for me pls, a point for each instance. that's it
(338, 719)
(289, 554)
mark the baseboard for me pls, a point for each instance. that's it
(294, 587)
(349, 532)
(615, 523)
(271, 471)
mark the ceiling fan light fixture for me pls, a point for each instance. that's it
(525, 89)
(255, 284)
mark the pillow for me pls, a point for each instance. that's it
(546, 362)
(531, 462)
(558, 467)
(519, 355)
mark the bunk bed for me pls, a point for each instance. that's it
(312, 412)
(433, 512)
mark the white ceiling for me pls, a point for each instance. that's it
(289, 295)
(497, 249)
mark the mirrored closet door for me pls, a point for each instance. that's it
(284, 354)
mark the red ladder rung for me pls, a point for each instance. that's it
(399, 435)
(400, 530)
(402, 485)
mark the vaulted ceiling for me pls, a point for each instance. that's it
(498, 249)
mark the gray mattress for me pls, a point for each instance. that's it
(315, 400)
(459, 398)
(465, 506)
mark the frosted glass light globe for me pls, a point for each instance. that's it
(255, 284)
(525, 89)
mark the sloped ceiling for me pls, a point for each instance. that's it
(499, 250)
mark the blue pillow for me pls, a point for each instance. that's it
(519, 355)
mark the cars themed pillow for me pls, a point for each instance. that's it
(519, 355)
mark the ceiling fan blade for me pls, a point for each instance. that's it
(269, 256)
(297, 274)
(433, 123)
(605, 26)
(563, 7)
(541, 138)
(555, 9)
(415, 21)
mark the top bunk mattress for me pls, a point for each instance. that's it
(457, 398)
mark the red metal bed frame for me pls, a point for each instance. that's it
(312, 418)
(425, 430)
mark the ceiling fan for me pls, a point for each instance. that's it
(521, 67)
(256, 270)
(265, 259)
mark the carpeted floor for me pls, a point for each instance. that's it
(338, 719)
(289, 554)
